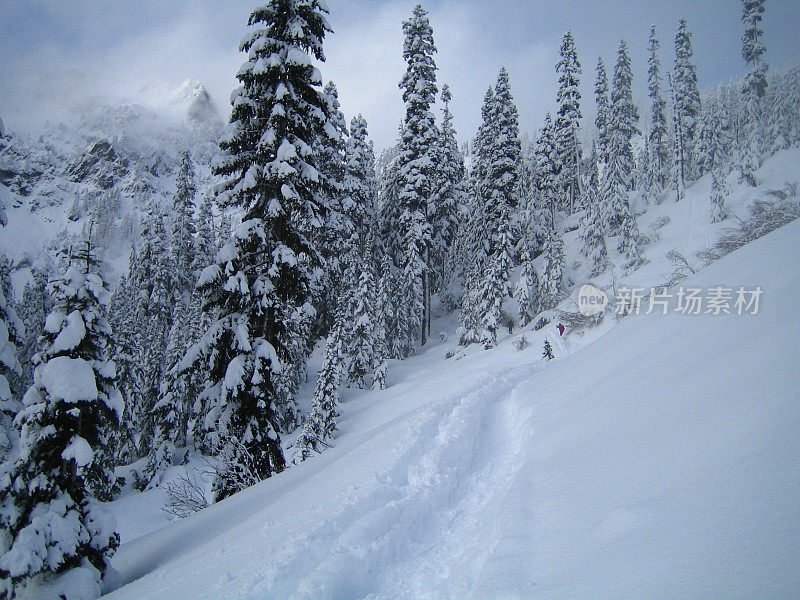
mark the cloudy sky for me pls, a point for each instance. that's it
(56, 53)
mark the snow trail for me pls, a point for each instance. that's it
(389, 535)
(457, 452)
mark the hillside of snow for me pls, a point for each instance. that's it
(656, 456)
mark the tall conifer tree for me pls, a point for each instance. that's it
(687, 98)
(183, 242)
(320, 424)
(755, 87)
(260, 279)
(568, 122)
(449, 194)
(657, 137)
(603, 109)
(618, 176)
(417, 168)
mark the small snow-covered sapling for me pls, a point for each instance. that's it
(520, 343)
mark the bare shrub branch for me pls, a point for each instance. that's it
(233, 466)
(185, 495)
(576, 321)
(765, 216)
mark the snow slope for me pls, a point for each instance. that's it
(659, 460)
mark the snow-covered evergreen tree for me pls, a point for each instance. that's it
(320, 424)
(206, 241)
(624, 117)
(360, 181)
(603, 109)
(753, 48)
(749, 146)
(177, 392)
(339, 227)
(359, 206)
(658, 136)
(225, 230)
(568, 123)
(526, 188)
(678, 172)
(781, 112)
(32, 311)
(551, 280)
(138, 384)
(641, 167)
(259, 283)
(629, 238)
(469, 331)
(496, 283)
(195, 404)
(469, 254)
(482, 144)
(712, 155)
(6, 269)
(499, 190)
(380, 341)
(12, 333)
(411, 301)
(389, 209)
(619, 218)
(154, 288)
(488, 235)
(755, 86)
(446, 202)
(331, 149)
(122, 317)
(591, 225)
(386, 304)
(183, 244)
(502, 175)
(50, 523)
(545, 197)
(687, 98)
(361, 345)
(527, 289)
(719, 192)
(163, 284)
(417, 169)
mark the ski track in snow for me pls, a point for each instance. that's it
(417, 528)
(458, 454)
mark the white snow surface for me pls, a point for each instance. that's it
(69, 378)
(79, 450)
(654, 457)
(71, 335)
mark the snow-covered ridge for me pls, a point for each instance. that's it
(190, 100)
(105, 165)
